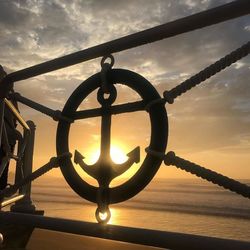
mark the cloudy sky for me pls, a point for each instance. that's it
(209, 125)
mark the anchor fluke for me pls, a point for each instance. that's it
(89, 169)
(78, 157)
(134, 155)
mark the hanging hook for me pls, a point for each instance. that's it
(105, 68)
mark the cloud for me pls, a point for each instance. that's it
(12, 15)
(215, 114)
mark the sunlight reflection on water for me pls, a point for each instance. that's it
(189, 207)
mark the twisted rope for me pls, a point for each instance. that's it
(206, 73)
(171, 159)
(54, 162)
(170, 95)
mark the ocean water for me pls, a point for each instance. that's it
(182, 205)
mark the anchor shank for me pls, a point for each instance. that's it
(105, 137)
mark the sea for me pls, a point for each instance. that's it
(190, 206)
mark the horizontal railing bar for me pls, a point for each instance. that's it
(196, 21)
(37, 106)
(16, 114)
(11, 200)
(55, 114)
(169, 240)
(114, 110)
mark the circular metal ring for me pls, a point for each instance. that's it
(111, 96)
(158, 139)
(99, 213)
(112, 60)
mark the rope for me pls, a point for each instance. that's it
(54, 162)
(171, 159)
(207, 174)
(206, 73)
(169, 96)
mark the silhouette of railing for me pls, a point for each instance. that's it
(24, 175)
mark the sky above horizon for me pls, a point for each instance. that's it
(209, 125)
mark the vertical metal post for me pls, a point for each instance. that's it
(19, 162)
(1, 118)
(25, 205)
(2, 104)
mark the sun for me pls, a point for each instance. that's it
(117, 154)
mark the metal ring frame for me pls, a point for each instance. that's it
(159, 134)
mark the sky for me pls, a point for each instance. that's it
(209, 125)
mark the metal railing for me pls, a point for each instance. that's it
(24, 154)
(24, 175)
(147, 237)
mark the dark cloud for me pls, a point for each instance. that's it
(12, 15)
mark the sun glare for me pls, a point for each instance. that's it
(117, 155)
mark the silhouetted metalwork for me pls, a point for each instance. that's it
(54, 162)
(55, 114)
(12, 200)
(158, 140)
(104, 170)
(228, 183)
(207, 174)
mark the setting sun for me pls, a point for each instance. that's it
(119, 155)
(116, 153)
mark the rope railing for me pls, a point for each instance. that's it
(170, 95)
(53, 162)
(228, 183)
(207, 174)
(206, 73)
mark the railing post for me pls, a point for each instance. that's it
(1, 118)
(2, 104)
(25, 205)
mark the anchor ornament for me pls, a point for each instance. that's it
(105, 170)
